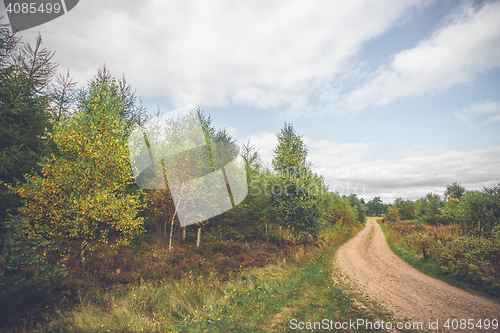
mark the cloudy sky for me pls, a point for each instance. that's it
(393, 98)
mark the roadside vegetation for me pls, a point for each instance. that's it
(456, 239)
(85, 249)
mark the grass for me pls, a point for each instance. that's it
(431, 267)
(251, 303)
(368, 241)
(219, 287)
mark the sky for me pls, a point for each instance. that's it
(392, 98)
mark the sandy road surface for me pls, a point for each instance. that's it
(367, 260)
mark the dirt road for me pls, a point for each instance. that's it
(410, 294)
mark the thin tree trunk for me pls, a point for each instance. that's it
(172, 224)
(171, 231)
(183, 234)
(4, 253)
(199, 234)
(164, 224)
(82, 252)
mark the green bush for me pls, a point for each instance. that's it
(422, 241)
(358, 207)
(335, 210)
(428, 209)
(479, 212)
(476, 259)
(392, 215)
(406, 208)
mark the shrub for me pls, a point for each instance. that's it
(421, 241)
(477, 259)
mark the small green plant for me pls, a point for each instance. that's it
(421, 241)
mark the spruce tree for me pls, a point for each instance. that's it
(25, 73)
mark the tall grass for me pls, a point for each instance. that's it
(258, 300)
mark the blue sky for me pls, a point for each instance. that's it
(393, 98)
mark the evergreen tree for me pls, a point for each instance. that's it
(25, 73)
(296, 189)
(291, 153)
(123, 98)
(455, 191)
(251, 159)
(63, 96)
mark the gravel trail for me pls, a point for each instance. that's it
(410, 294)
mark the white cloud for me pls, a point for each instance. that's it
(231, 130)
(419, 170)
(259, 53)
(323, 154)
(480, 114)
(330, 153)
(455, 54)
(421, 151)
(411, 177)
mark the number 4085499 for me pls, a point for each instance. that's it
(32, 8)
(463, 324)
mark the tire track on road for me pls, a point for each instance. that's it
(368, 261)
